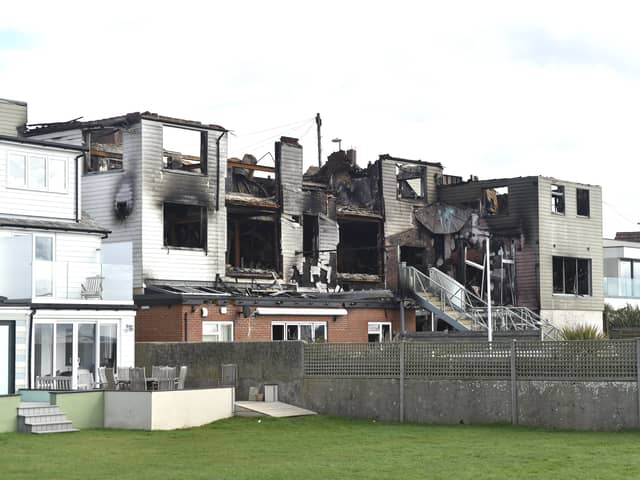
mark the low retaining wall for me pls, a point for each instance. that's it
(85, 409)
(562, 404)
(167, 410)
(9, 413)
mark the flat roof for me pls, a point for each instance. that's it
(42, 143)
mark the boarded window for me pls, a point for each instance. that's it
(185, 225)
(582, 200)
(495, 201)
(557, 199)
(105, 151)
(410, 181)
(572, 275)
(184, 149)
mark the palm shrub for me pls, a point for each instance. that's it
(625, 317)
(581, 332)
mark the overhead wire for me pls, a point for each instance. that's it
(244, 148)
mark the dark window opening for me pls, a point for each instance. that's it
(249, 177)
(358, 250)
(410, 181)
(184, 149)
(252, 242)
(414, 256)
(277, 332)
(557, 199)
(572, 275)
(495, 201)
(185, 225)
(105, 151)
(310, 236)
(582, 200)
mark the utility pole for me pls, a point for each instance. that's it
(318, 125)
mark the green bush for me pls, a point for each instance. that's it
(625, 317)
(581, 332)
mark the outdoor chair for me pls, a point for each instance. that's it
(92, 288)
(110, 380)
(123, 378)
(164, 384)
(85, 380)
(156, 371)
(138, 380)
(181, 378)
(102, 377)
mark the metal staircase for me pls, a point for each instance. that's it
(450, 301)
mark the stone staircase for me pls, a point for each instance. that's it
(36, 417)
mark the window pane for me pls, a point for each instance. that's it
(320, 333)
(64, 349)
(108, 345)
(277, 332)
(17, 170)
(292, 332)
(558, 275)
(57, 175)
(582, 202)
(625, 268)
(570, 284)
(86, 355)
(305, 332)
(226, 333)
(37, 172)
(43, 350)
(584, 277)
(44, 248)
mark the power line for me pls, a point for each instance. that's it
(244, 148)
(304, 121)
(616, 211)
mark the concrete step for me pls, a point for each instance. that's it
(56, 427)
(42, 418)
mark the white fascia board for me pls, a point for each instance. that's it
(320, 312)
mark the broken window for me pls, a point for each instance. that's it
(305, 331)
(105, 151)
(185, 225)
(184, 149)
(252, 242)
(572, 275)
(410, 181)
(557, 199)
(379, 332)
(582, 200)
(247, 177)
(358, 250)
(495, 200)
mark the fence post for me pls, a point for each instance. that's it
(514, 385)
(402, 380)
(638, 375)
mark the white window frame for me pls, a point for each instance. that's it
(313, 325)
(27, 185)
(218, 324)
(53, 264)
(378, 330)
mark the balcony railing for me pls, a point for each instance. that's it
(621, 287)
(55, 281)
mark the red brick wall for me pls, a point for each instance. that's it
(161, 323)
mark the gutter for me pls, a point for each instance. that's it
(105, 233)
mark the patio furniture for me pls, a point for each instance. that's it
(110, 380)
(85, 379)
(123, 378)
(138, 380)
(181, 378)
(164, 384)
(92, 287)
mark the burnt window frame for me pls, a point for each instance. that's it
(583, 191)
(571, 286)
(502, 211)
(423, 182)
(203, 227)
(204, 151)
(110, 157)
(558, 199)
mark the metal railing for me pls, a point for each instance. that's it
(455, 296)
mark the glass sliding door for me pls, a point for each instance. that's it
(86, 355)
(108, 345)
(43, 266)
(64, 350)
(43, 350)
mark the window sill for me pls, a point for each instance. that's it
(40, 190)
(572, 295)
(182, 249)
(103, 172)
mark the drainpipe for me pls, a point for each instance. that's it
(30, 342)
(186, 327)
(77, 186)
(218, 169)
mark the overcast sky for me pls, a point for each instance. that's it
(495, 89)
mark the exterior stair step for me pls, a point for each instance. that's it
(42, 418)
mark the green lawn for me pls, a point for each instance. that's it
(323, 448)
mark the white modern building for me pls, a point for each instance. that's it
(621, 273)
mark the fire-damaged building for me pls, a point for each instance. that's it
(281, 252)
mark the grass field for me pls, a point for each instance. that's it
(322, 448)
